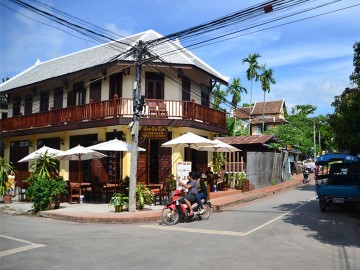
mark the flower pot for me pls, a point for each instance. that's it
(118, 208)
(51, 206)
(7, 198)
(246, 186)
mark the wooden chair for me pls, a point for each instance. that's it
(162, 112)
(152, 109)
(108, 189)
(226, 182)
(163, 194)
(96, 191)
(74, 192)
(21, 189)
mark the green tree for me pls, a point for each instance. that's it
(218, 97)
(298, 132)
(235, 89)
(235, 127)
(46, 165)
(252, 71)
(355, 76)
(266, 78)
(346, 120)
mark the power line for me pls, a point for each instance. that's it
(76, 27)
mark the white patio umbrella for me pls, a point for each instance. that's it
(35, 155)
(80, 153)
(189, 139)
(114, 145)
(218, 147)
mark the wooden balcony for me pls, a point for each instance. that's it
(116, 108)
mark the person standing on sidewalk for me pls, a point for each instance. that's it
(11, 183)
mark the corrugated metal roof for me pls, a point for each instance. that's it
(170, 52)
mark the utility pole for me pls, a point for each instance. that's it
(138, 103)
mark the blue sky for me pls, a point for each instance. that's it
(312, 58)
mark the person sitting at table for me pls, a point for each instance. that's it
(209, 173)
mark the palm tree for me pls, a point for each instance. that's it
(219, 97)
(235, 89)
(251, 73)
(266, 78)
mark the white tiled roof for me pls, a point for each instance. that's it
(170, 52)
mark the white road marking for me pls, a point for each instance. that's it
(230, 233)
(180, 229)
(29, 246)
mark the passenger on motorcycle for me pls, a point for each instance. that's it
(202, 194)
(192, 186)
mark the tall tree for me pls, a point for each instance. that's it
(252, 73)
(355, 76)
(235, 89)
(346, 119)
(298, 131)
(218, 97)
(266, 78)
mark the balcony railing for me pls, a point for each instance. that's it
(121, 107)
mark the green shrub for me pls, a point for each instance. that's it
(44, 190)
(144, 195)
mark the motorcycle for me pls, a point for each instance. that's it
(306, 174)
(174, 211)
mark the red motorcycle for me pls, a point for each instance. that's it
(174, 211)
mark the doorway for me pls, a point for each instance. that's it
(154, 162)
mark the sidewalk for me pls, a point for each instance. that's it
(102, 213)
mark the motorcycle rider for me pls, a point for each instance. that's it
(192, 186)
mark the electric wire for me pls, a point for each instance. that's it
(249, 13)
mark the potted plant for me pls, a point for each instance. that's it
(5, 167)
(45, 187)
(172, 183)
(119, 200)
(144, 195)
(239, 179)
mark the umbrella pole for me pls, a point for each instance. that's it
(115, 167)
(79, 170)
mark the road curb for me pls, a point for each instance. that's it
(261, 194)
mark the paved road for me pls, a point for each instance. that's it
(284, 231)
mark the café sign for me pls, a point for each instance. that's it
(154, 133)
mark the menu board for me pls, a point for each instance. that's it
(182, 171)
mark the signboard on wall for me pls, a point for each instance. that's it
(154, 133)
(182, 171)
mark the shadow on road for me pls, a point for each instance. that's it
(339, 226)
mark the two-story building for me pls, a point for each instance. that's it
(274, 114)
(87, 97)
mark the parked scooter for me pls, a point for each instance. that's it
(306, 174)
(174, 211)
